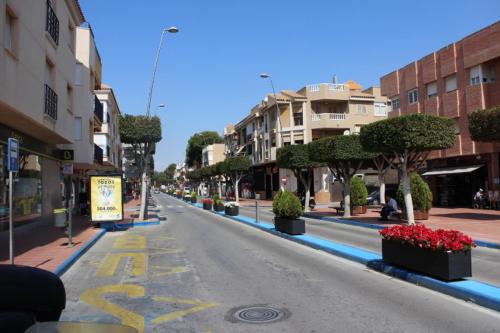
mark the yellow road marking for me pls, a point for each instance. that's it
(110, 263)
(161, 250)
(167, 237)
(95, 298)
(130, 242)
(167, 270)
(198, 306)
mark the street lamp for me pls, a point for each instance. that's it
(171, 30)
(159, 106)
(267, 76)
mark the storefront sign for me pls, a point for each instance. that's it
(13, 155)
(67, 154)
(106, 198)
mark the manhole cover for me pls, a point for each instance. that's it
(257, 314)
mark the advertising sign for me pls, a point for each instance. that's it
(106, 202)
(67, 168)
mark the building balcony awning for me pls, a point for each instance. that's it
(452, 170)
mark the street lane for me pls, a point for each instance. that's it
(485, 261)
(196, 266)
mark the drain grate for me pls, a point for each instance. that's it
(257, 314)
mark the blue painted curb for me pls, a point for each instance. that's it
(481, 293)
(66, 264)
(110, 226)
(478, 242)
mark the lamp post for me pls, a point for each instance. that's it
(171, 30)
(267, 76)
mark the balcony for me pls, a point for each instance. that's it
(98, 110)
(52, 23)
(327, 120)
(327, 91)
(98, 154)
(50, 102)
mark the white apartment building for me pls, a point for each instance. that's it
(290, 117)
(212, 154)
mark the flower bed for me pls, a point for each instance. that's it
(207, 204)
(231, 208)
(444, 254)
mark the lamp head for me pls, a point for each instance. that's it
(172, 30)
(264, 75)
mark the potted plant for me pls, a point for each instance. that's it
(231, 208)
(218, 203)
(207, 204)
(179, 194)
(445, 254)
(359, 195)
(421, 197)
(194, 197)
(287, 210)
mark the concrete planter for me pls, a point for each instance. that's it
(446, 266)
(194, 200)
(207, 206)
(358, 210)
(219, 208)
(418, 214)
(232, 211)
(290, 226)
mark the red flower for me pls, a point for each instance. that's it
(425, 238)
(207, 201)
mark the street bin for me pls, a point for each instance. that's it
(60, 218)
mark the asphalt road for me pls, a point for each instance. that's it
(485, 261)
(188, 273)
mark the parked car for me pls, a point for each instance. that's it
(374, 198)
(187, 192)
(157, 191)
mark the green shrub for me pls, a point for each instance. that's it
(287, 205)
(194, 195)
(420, 193)
(359, 192)
(216, 197)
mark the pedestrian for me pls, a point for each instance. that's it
(390, 206)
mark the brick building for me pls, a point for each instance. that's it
(452, 82)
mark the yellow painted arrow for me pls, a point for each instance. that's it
(198, 306)
(168, 270)
(110, 263)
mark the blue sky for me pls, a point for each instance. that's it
(208, 73)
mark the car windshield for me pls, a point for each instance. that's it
(249, 166)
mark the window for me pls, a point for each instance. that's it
(380, 109)
(451, 83)
(413, 96)
(71, 36)
(395, 103)
(77, 128)
(52, 23)
(9, 31)
(78, 74)
(91, 131)
(457, 127)
(362, 108)
(69, 94)
(273, 140)
(299, 142)
(476, 75)
(431, 89)
(357, 129)
(297, 119)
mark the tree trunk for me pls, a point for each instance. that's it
(307, 184)
(236, 194)
(144, 194)
(220, 189)
(381, 181)
(407, 194)
(347, 196)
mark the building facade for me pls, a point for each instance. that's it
(212, 154)
(289, 117)
(452, 82)
(37, 70)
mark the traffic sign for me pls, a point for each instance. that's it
(13, 155)
(67, 168)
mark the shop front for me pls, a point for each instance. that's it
(37, 185)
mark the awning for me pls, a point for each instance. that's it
(452, 170)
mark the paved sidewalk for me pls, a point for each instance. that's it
(483, 224)
(44, 246)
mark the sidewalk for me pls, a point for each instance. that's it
(44, 246)
(483, 224)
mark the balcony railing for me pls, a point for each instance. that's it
(52, 23)
(98, 154)
(98, 109)
(50, 102)
(329, 86)
(329, 116)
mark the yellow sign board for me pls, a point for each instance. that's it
(106, 198)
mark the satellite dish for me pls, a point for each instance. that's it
(347, 132)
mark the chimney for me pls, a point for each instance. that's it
(334, 78)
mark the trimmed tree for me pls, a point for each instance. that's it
(344, 156)
(220, 171)
(297, 159)
(142, 133)
(484, 125)
(382, 167)
(236, 167)
(196, 143)
(406, 141)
